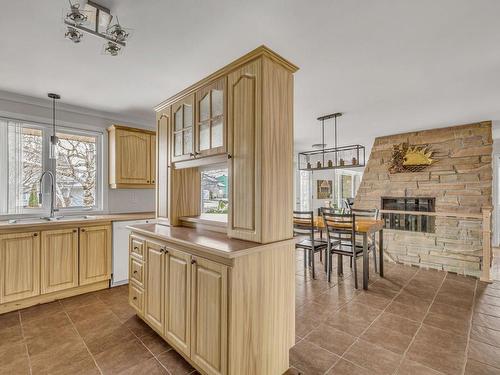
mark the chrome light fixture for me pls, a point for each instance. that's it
(74, 35)
(96, 20)
(53, 152)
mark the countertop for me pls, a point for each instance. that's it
(34, 223)
(201, 240)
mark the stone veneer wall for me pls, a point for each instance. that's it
(461, 182)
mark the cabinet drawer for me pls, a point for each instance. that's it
(136, 271)
(136, 297)
(137, 247)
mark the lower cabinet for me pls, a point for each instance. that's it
(154, 302)
(177, 299)
(19, 266)
(209, 316)
(59, 260)
(95, 254)
(185, 299)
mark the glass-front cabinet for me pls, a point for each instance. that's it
(210, 111)
(183, 129)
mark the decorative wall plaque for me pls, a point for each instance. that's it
(406, 158)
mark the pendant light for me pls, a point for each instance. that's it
(53, 138)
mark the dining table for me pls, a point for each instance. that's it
(365, 226)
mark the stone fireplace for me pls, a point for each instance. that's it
(433, 217)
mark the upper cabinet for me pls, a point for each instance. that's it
(132, 157)
(210, 119)
(183, 129)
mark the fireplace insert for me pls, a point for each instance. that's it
(408, 213)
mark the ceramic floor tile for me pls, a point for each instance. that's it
(121, 357)
(488, 321)
(373, 358)
(413, 368)
(148, 367)
(343, 367)
(40, 311)
(486, 335)
(175, 364)
(447, 323)
(477, 368)
(484, 353)
(311, 359)
(387, 338)
(347, 323)
(331, 339)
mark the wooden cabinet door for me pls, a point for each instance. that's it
(59, 260)
(154, 285)
(209, 316)
(210, 119)
(244, 88)
(162, 130)
(19, 266)
(183, 129)
(95, 254)
(178, 299)
(132, 157)
(152, 158)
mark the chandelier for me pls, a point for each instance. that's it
(94, 19)
(336, 157)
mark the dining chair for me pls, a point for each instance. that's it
(341, 234)
(303, 224)
(373, 214)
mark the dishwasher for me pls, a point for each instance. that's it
(120, 250)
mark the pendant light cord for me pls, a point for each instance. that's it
(54, 117)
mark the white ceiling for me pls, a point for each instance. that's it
(390, 65)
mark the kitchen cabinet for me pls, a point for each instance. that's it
(183, 129)
(162, 134)
(19, 266)
(178, 301)
(95, 254)
(153, 290)
(209, 316)
(210, 119)
(59, 259)
(132, 157)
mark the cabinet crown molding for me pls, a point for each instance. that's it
(256, 53)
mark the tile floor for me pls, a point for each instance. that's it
(411, 322)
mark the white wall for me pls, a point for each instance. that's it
(40, 110)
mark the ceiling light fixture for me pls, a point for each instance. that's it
(331, 158)
(95, 20)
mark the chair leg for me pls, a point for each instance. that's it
(329, 272)
(326, 260)
(305, 260)
(355, 270)
(350, 263)
(374, 249)
(312, 263)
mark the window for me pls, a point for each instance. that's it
(214, 191)
(76, 170)
(24, 156)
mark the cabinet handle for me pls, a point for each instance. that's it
(153, 181)
(135, 271)
(192, 155)
(229, 156)
(147, 181)
(83, 230)
(35, 234)
(74, 230)
(197, 153)
(134, 298)
(193, 261)
(136, 248)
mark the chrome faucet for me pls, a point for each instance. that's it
(52, 215)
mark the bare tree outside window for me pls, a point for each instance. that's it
(31, 159)
(76, 171)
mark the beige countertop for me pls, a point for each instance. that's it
(40, 224)
(214, 243)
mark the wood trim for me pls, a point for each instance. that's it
(201, 161)
(487, 250)
(255, 54)
(132, 186)
(131, 129)
(45, 298)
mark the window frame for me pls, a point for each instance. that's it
(49, 164)
(206, 168)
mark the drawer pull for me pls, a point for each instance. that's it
(35, 234)
(83, 230)
(134, 298)
(135, 271)
(74, 230)
(193, 261)
(136, 248)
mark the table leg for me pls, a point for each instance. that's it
(366, 262)
(381, 252)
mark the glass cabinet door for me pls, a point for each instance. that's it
(182, 129)
(210, 119)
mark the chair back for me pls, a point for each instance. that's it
(303, 223)
(371, 213)
(340, 227)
